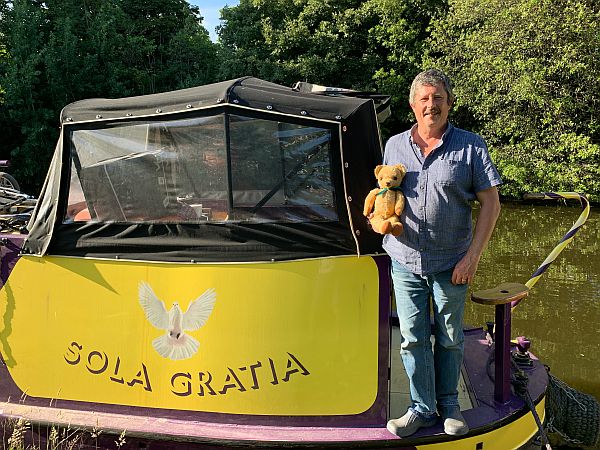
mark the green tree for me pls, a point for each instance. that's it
(87, 50)
(325, 42)
(402, 31)
(9, 135)
(177, 49)
(191, 56)
(526, 77)
(360, 44)
(243, 48)
(60, 51)
(26, 110)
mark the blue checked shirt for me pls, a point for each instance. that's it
(438, 190)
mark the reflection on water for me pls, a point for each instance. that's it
(562, 313)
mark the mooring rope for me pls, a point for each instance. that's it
(566, 239)
(519, 381)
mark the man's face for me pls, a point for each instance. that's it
(431, 106)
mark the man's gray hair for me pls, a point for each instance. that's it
(431, 77)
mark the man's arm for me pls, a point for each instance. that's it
(465, 270)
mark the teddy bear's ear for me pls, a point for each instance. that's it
(401, 168)
(377, 169)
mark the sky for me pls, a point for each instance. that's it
(210, 11)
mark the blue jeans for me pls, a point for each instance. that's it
(433, 375)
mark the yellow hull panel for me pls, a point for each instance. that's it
(287, 338)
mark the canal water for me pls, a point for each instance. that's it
(561, 315)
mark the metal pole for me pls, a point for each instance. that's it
(502, 353)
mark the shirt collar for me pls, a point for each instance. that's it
(447, 133)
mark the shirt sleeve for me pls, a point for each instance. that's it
(485, 174)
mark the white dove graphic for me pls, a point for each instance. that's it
(175, 343)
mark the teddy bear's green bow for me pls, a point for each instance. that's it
(384, 190)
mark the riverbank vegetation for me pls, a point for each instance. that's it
(20, 434)
(525, 73)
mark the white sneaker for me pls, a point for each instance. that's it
(455, 424)
(409, 423)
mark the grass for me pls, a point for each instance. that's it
(20, 434)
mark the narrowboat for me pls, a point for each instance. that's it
(198, 273)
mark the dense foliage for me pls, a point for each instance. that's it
(60, 51)
(525, 71)
(361, 44)
(527, 78)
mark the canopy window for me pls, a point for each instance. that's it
(221, 168)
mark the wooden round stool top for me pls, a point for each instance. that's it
(501, 294)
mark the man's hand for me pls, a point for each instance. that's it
(465, 270)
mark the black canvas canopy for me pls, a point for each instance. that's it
(241, 170)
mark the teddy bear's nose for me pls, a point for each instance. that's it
(387, 183)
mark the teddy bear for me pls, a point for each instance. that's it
(387, 201)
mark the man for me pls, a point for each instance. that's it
(437, 255)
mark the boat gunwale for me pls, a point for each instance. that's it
(273, 436)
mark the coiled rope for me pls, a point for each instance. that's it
(566, 239)
(519, 381)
